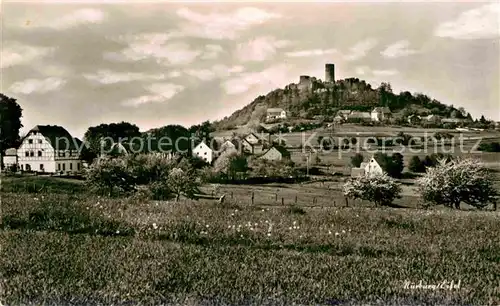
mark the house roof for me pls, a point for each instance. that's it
(384, 110)
(454, 120)
(57, 136)
(284, 152)
(11, 152)
(274, 110)
(344, 112)
(356, 114)
(378, 159)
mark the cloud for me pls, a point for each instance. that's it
(385, 72)
(398, 49)
(111, 77)
(13, 54)
(270, 78)
(367, 71)
(362, 70)
(311, 52)
(222, 25)
(212, 51)
(29, 86)
(478, 23)
(259, 49)
(78, 17)
(179, 53)
(216, 71)
(159, 92)
(360, 49)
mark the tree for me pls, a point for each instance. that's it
(393, 165)
(230, 163)
(114, 132)
(356, 160)
(180, 182)
(173, 137)
(403, 139)
(110, 175)
(10, 124)
(461, 180)
(416, 165)
(379, 189)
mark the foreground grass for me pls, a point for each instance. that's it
(63, 249)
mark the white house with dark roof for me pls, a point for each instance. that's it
(275, 113)
(203, 151)
(380, 114)
(372, 167)
(50, 149)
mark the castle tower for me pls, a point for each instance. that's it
(329, 73)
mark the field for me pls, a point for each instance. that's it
(63, 248)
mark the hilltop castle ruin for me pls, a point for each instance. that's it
(307, 83)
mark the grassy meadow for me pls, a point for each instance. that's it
(62, 248)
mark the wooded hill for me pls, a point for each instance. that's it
(325, 99)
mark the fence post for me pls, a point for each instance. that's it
(276, 197)
(346, 202)
(252, 197)
(295, 199)
(231, 195)
(282, 201)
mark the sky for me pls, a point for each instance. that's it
(80, 64)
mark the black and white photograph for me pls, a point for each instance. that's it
(249, 152)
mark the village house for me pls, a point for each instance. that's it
(10, 158)
(49, 149)
(252, 138)
(414, 119)
(432, 118)
(203, 151)
(276, 153)
(372, 167)
(453, 120)
(361, 116)
(380, 114)
(275, 113)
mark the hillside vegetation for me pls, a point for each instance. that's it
(325, 99)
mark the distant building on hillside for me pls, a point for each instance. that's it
(203, 151)
(276, 153)
(380, 114)
(453, 120)
(372, 167)
(275, 113)
(359, 116)
(432, 118)
(414, 119)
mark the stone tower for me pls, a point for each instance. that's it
(329, 73)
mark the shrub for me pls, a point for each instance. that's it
(393, 165)
(110, 175)
(416, 165)
(147, 168)
(461, 180)
(356, 160)
(489, 147)
(379, 189)
(180, 182)
(230, 163)
(159, 190)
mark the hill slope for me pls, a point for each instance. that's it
(319, 98)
